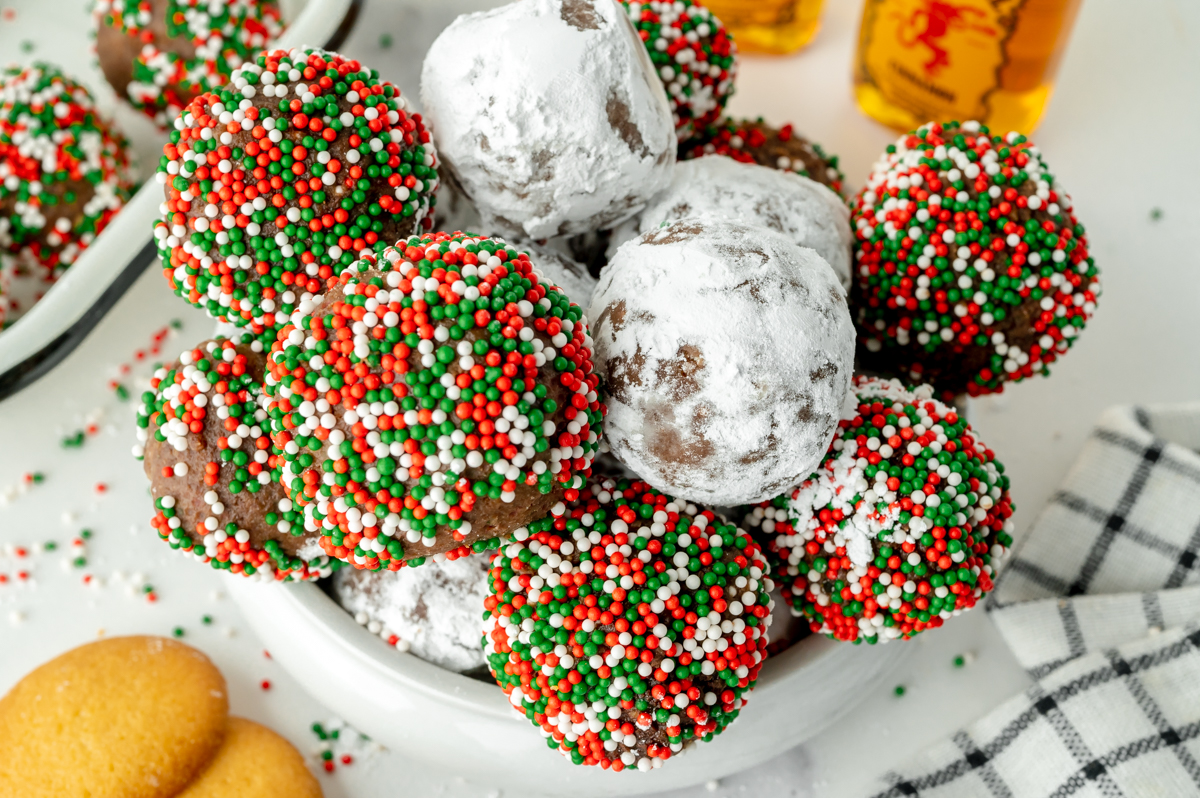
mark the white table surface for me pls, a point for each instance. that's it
(1120, 133)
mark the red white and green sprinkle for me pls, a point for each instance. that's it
(900, 528)
(337, 743)
(693, 54)
(742, 140)
(425, 370)
(223, 33)
(627, 625)
(275, 182)
(957, 229)
(213, 384)
(55, 150)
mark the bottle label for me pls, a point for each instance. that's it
(938, 59)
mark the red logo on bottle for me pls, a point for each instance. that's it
(930, 23)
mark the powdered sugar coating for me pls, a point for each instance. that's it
(869, 518)
(456, 212)
(802, 209)
(901, 527)
(550, 115)
(568, 274)
(436, 609)
(726, 351)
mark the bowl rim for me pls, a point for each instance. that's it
(361, 678)
(311, 601)
(72, 307)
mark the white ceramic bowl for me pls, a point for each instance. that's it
(73, 305)
(468, 726)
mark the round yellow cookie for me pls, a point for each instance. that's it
(254, 762)
(127, 717)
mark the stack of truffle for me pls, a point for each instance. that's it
(398, 397)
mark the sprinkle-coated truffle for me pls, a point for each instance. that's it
(64, 171)
(901, 527)
(213, 474)
(971, 270)
(754, 141)
(160, 54)
(441, 395)
(275, 182)
(628, 625)
(694, 55)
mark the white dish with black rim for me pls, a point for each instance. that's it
(56, 324)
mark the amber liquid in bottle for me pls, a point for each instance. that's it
(991, 60)
(769, 26)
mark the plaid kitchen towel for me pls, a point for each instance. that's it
(1101, 604)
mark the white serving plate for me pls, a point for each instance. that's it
(468, 727)
(49, 330)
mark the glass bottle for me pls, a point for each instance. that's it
(769, 26)
(990, 60)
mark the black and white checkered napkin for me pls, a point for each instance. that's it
(1101, 604)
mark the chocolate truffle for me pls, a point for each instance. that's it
(439, 396)
(694, 55)
(803, 210)
(276, 181)
(971, 269)
(628, 625)
(725, 352)
(901, 527)
(64, 171)
(562, 129)
(161, 54)
(213, 474)
(754, 141)
(433, 612)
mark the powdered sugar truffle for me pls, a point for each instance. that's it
(437, 609)
(726, 351)
(805, 211)
(550, 115)
(567, 273)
